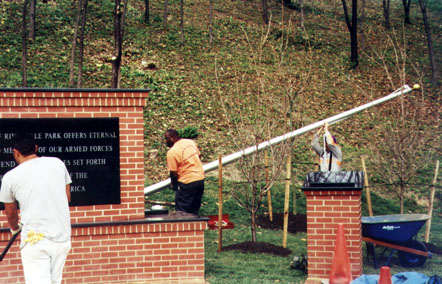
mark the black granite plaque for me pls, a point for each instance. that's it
(89, 147)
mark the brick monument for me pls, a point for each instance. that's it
(112, 241)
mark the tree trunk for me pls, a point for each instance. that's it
(74, 45)
(146, 12)
(253, 206)
(24, 46)
(32, 20)
(166, 12)
(119, 15)
(434, 71)
(253, 225)
(182, 20)
(353, 29)
(301, 7)
(386, 6)
(354, 35)
(210, 21)
(402, 195)
(287, 2)
(406, 4)
(265, 13)
(253, 220)
(81, 43)
(361, 25)
(116, 59)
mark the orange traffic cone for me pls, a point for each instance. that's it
(340, 272)
(385, 275)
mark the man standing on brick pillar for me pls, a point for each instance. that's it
(186, 172)
(330, 156)
(41, 186)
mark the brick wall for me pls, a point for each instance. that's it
(325, 210)
(127, 105)
(110, 243)
(134, 252)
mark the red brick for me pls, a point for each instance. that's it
(106, 249)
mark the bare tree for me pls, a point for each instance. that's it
(301, 7)
(74, 45)
(353, 29)
(405, 145)
(210, 21)
(80, 24)
(406, 4)
(24, 57)
(434, 71)
(32, 20)
(386, 8)
(404, 148)
(287, 2)
(146, 11)
(81, 47)
(361, 25)
(182, 20)
(258, 110)
(166, 13)
(119, 15)
(265, 12)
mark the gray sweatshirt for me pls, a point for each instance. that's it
(334, 153)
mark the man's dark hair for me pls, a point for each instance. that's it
(24, 143)
(173, 133)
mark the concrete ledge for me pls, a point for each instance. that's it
(315, 281)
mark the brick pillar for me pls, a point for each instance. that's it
(325, 210)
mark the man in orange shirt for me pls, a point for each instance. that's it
(186, 172)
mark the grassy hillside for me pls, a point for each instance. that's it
(285, 74)
(193, 81)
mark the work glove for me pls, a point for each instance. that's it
(34, 237)
(15, 232)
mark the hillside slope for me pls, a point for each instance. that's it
(195, 83)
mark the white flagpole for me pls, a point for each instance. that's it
(331, 120)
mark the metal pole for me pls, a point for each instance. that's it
(331, 120)
(220, 206)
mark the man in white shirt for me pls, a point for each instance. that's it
(41, 187)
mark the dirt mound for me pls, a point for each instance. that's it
(259, 247)
(296, 223)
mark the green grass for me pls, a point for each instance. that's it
(238, 267)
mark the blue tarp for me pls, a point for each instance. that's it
(399, 278)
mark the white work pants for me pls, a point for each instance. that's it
(43, 261)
